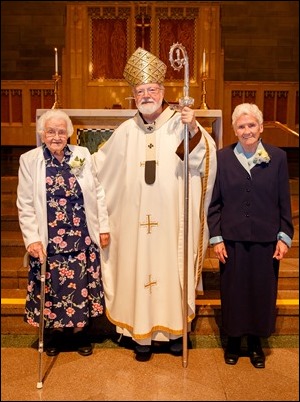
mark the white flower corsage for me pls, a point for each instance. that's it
(261, 156)
(76, 165)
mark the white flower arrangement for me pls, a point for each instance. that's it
(261, 156)
(76, 165)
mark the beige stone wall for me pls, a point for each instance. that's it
(260, 39)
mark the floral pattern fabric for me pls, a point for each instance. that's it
(73, 285)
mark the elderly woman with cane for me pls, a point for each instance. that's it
(64, 222)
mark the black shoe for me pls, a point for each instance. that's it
(257, 359)
(231, 358)
(54, 346)
(232, 352)
(52, 350)
(176, 347)
(83, 344)
(256, 354)
(142, 353)
(85, 350)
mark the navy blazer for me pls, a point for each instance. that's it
(251, 208)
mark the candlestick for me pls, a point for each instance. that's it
(203, 62)
(56, 61)
(203, 103)
(56, 79)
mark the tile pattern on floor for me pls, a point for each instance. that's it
(111, 373)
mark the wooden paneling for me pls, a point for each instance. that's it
(277, 100)
(40, 95)
(19, 102)
(101, 36)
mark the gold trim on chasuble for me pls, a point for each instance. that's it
(200, 256)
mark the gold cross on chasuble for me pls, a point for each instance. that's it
(150, 283)
(149, 224)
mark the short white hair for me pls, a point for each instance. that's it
(247, 109)
(54, 114)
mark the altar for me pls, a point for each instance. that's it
(94, 126)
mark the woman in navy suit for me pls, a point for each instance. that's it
(250, 224)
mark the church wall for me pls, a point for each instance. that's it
(247, 42)
(260, 39)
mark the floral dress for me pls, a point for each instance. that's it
(73, 285)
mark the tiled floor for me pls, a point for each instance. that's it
(111, 373)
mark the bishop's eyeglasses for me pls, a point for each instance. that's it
(151, 91)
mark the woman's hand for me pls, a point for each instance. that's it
(281, 250)
(220, 252)
(36, 250)
(104, 239)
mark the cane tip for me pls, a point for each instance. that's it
(39, 385)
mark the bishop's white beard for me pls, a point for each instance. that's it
(149, 108)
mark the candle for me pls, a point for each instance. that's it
(56, 61)
(203, 62)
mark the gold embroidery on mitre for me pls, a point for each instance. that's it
(144, 68)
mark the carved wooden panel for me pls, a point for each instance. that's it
(40, 99)
(4, 106)
(109, 28)
(238, 97)
(11, 106)
(177, 25)
(115, 32)
(281, 107)
(275, 106)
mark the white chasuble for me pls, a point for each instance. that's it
(142, 268)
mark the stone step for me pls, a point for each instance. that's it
(14, 274)
(288, 274)
(12, 244)
(207, 320)
(293, 251)
(9, 197)
(208, 313)
(9, 223)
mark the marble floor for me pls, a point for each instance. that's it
(111, 373)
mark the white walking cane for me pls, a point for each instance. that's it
(177, 64)
(41, 324)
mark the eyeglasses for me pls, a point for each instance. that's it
(51, 132)
(150, 91)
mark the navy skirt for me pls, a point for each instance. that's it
(248, 284)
